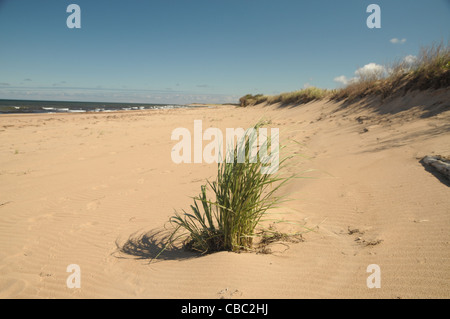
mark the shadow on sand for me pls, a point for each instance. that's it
(148, 245)
(431, 102)
(435, 173)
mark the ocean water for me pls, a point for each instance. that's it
(24, 106)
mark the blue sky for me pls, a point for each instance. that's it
(179, 51)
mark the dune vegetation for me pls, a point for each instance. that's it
(241, 196)
(429, 70)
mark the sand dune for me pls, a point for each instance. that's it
(74, 185)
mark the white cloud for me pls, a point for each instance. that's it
(367, 71)
(410, 59)
(341, 79)
(397, 41)
(371, 69)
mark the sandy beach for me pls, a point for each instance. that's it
(75, 186)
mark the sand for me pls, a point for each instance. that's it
(73, 186)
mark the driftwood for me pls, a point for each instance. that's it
(439, 163)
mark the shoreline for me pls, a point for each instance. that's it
(108, 112)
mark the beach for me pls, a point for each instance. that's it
(75, 187)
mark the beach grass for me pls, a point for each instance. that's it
(241, 196)
(301, 96)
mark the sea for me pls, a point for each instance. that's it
(28, 106)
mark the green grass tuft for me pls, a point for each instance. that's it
(242, 194)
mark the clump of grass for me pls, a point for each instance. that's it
(431, 70)
(242, 194)
(303, 96)
(296, 97)
(249, 100)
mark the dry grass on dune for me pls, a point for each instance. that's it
(296, 97)
(430, 70)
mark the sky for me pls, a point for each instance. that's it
(206, 51)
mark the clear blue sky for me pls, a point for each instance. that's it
(181, 51)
